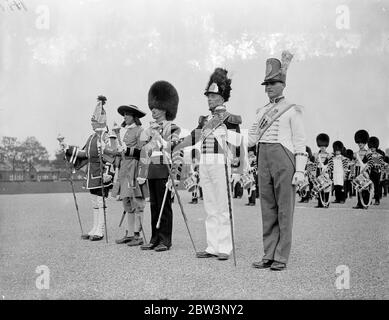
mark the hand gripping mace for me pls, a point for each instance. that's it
(60, 139)
(229, 197)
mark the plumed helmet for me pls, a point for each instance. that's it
(163, 95)
(361, 136)
(219, 83)
(322, 140)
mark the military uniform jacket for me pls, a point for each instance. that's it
(322, 158)
(157, 168)
(211, 144)
(89, 156)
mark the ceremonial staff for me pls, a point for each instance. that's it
(102, 100)
(60, 139)
(228, 193)
(167, 162)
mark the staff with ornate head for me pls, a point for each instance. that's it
(221, 146)
(96, 154)
(61, 139)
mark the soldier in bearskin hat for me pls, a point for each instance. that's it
(279, 131)
(221, 126)
(378, 165)
(336, 168)
(89, 155)
(321, 160)
(131, 193)
(361, 157)
(161, 136)
(350, 172)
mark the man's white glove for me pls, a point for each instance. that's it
(121, 148)
(140, 180)
(106, 178)
(298, 178)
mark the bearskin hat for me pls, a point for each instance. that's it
(361, 136)
(322, 140)
(338, 146)
(373, 142)
(163, 95)
(386, 159)
(349, 154)
(219, 83)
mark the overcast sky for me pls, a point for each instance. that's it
(57, 56)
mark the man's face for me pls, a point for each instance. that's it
(274, 89)
(323, 148)
(337, 152)
(361, 145)
(158, 114)
(373, 149)
(128, 118)
(214, 100)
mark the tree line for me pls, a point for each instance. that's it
(27, 153)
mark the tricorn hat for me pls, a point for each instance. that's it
(163, 95)
(219, 83)
(322, 140)
(373, 142)
(276, 70)
(361, 136)
(131, 109)
(99, 115)
(338, 146)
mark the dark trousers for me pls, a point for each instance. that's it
(252, 195)
(238, 190)
(348, 189)
(365, 196)
(376, 179)
(277, 196)
(385, 187)
(339, 193)
(325, 196)
(164, 233)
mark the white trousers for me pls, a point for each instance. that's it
(98, 227)
(217, 223)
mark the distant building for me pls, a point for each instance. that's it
(37, 173)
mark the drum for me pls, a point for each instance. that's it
(321, 183)
(361, 182)
(247, 180)
(190, 183)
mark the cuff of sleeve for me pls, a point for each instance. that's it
(301, 161)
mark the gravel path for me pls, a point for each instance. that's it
(42, 229)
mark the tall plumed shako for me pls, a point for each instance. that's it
(163, 95)
(276, 70)
(373, 142)
(322, 140)
(361, 136)
(219, 83)
(338, 146)
(99, 115)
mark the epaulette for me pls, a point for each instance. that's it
(234, 119)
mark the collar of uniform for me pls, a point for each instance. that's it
(130, 126)
(276, 100)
